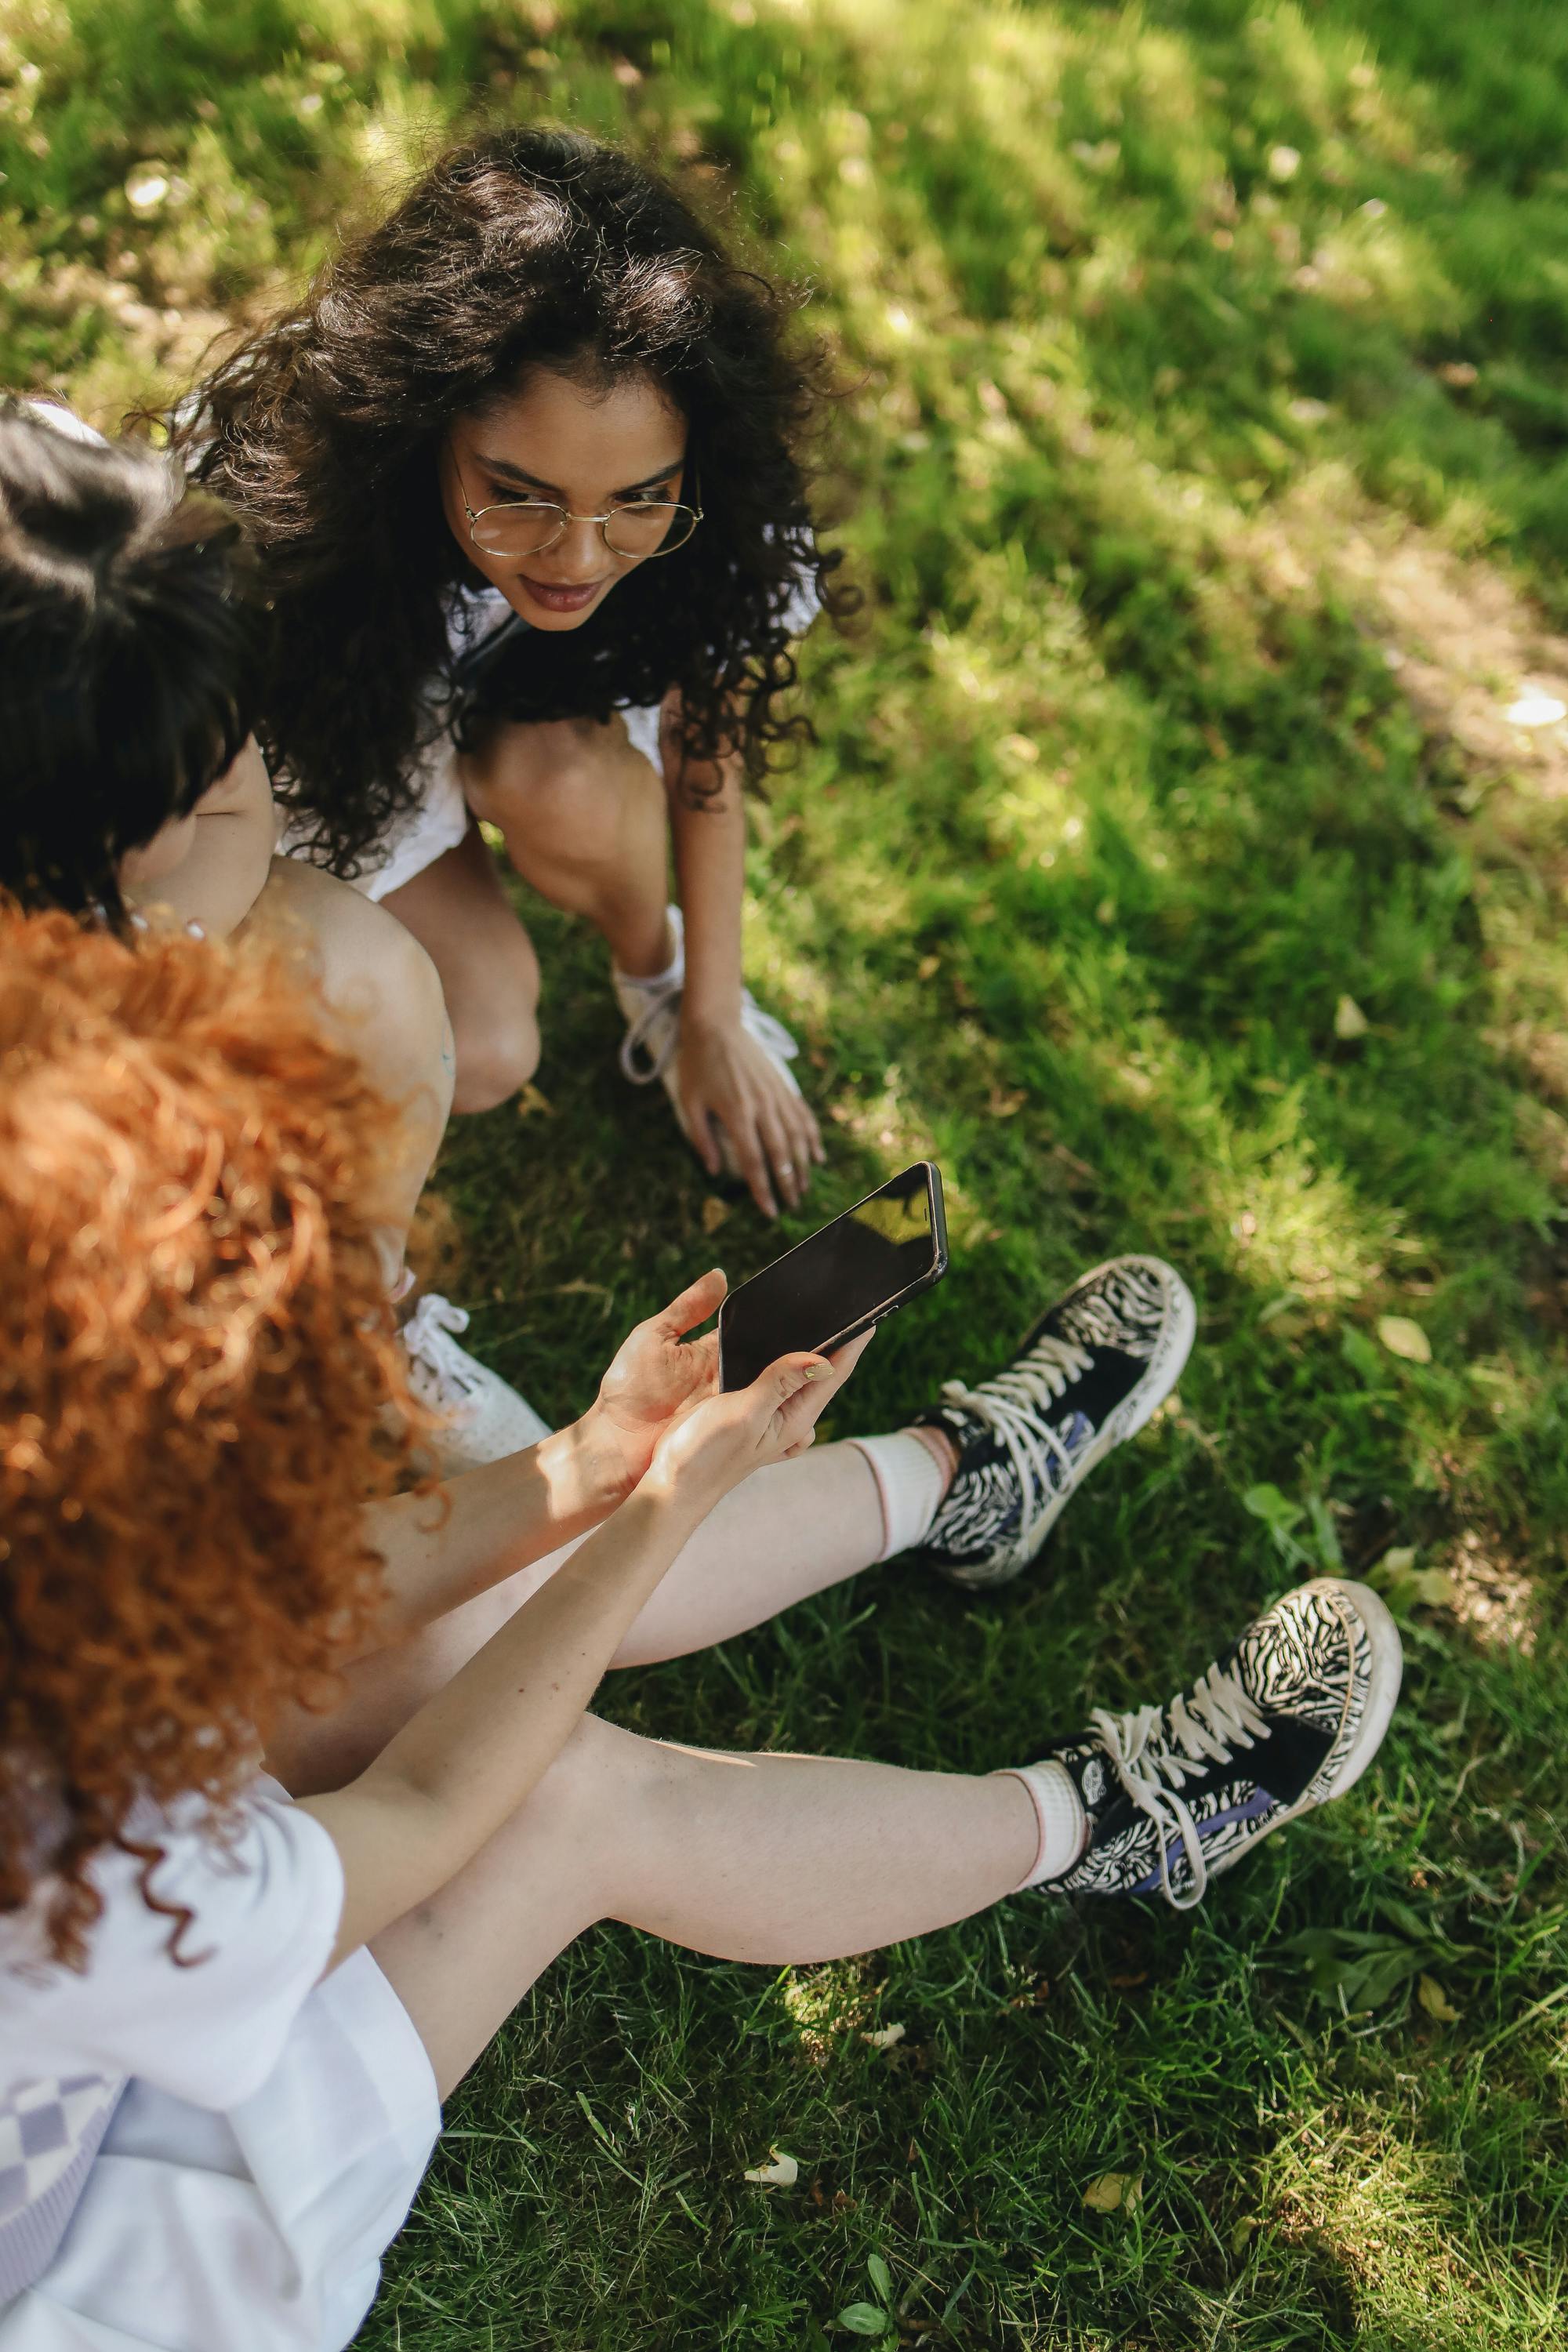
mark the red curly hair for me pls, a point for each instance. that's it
(195, 1357)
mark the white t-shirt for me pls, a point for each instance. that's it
(264, 1913)
(269, 2126)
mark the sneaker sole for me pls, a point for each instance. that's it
(1164, 1368)
(1385, 1675)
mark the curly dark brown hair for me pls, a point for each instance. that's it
(197, 1358)
(524, 248)
(128, 645)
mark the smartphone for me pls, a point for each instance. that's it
(877, 1257)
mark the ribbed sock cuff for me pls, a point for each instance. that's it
(1060, 1812)
(911, 1484)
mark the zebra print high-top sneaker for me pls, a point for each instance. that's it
(1288, 1719)
(1090, 1374)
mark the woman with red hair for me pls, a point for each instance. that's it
(227, 2016)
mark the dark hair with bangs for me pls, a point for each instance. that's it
(127, 656)
(525, 249)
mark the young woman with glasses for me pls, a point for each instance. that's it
(525, 473)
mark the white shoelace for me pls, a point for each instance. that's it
(442, 1373)
(1014, 1405)
(656, 1030)
(1201, 1729)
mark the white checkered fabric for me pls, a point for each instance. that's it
(51, 2131)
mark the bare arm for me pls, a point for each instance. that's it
(475, 1751)
(708, 828)
(443, 1549)
(723, 1073)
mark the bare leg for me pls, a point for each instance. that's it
(586, 824)
(773, 1859)
(460, 912)
(788, 1532)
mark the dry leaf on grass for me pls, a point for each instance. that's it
(1114, 2192)
(1403, 1338)
(1435, 2002)
(715, 1213)
(781, 2172)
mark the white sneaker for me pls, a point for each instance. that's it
(484, 1419)
(652, 1011)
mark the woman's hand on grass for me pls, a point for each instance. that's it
(714, 1444)
(722, 1074)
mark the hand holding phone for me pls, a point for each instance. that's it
(867, 1263)
(710, 1447)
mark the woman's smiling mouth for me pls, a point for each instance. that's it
(562, 596)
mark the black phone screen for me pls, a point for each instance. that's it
(839, 1278)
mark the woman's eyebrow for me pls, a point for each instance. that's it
(499, 468)
(503, 471)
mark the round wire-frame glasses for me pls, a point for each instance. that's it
(645, 527)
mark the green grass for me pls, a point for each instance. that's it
(1175, 477)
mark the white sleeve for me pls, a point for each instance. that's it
(65, 420)
(265, 1914)
(474, 614)
(804, 606)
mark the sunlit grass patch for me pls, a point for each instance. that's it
(1205, 467)
(1387, 2213)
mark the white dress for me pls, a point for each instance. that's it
(273, 2125)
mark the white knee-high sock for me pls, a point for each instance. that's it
(911, 1482)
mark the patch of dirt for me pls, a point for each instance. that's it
(1463, 640)
(1490, 1593)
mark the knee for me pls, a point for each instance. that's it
(568, 790)
(496, 1035)
(595, 1791)
(496, 1063)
